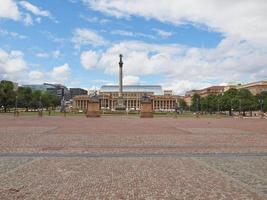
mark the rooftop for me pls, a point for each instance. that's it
(156, 89)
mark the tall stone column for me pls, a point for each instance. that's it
(120, 102)
(120, 76)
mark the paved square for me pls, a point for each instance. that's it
(132, 158)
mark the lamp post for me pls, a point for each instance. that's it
(218, 105)
(231, 108)
(261, 107)
(16, 106)
(40, 106)
(103, 104)
(40, 102)
(240, 106)
(261, 104)
(197, 107)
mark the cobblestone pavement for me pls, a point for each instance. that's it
(132, 158)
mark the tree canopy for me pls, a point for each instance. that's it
(25, 98)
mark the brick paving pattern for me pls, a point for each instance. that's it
(132, 158)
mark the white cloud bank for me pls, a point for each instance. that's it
(131, 80)
(89, 59)
(12, 64)
(35, 10)
(240, 56)
(245, 18)
(183, 67)
(85, 37)
(11, 9)
(61, 74)
(14, 67)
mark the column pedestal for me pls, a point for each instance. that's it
(261, 115)
(120, 104)
(146, 109)
(93, 108)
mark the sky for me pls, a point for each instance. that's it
(179, 44)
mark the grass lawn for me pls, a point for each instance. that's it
(132, 114)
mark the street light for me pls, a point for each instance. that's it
(218, 105)
(40, 106)
(231, 108)
(16, 106)
(197, 106)
(240, 106)
(261, 104)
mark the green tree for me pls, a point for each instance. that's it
(55, 100)
(36, 99)
(24, 97)
(247, 102)
(182, 104)
(7, 94)
(229, 100)
(50, 100)
(209, 103)
(204, 104)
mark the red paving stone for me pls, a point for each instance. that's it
(127, 177)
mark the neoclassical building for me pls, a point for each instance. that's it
(132, 94)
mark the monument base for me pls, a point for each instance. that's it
(261, 115)
(146, 109)
(93, 109)
(120, 105)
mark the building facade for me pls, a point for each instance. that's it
(132, 95)
(255, 87)
(77, 91)
(213, 90)
(55, 89)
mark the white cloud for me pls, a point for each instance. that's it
(42, 55)
(184, 67)
(36, 77)
(89, 59)
(132, 34)
(35, 10)
(95, 19)
(38, 20)
(162, 33)
(11, 64)
(122, 32)
(244, 18)
(85, 37)
(4, 32)
(131, 80)
(52, 37)
(61, 73)
(28, 21)
(9, 10)
(182, 86)
(56, 53)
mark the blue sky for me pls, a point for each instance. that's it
(181, 45)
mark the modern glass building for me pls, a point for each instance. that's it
(39, 87)
(56, 89)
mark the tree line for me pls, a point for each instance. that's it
(232, 100)
(25, 98)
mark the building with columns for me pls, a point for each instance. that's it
(132, 94)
